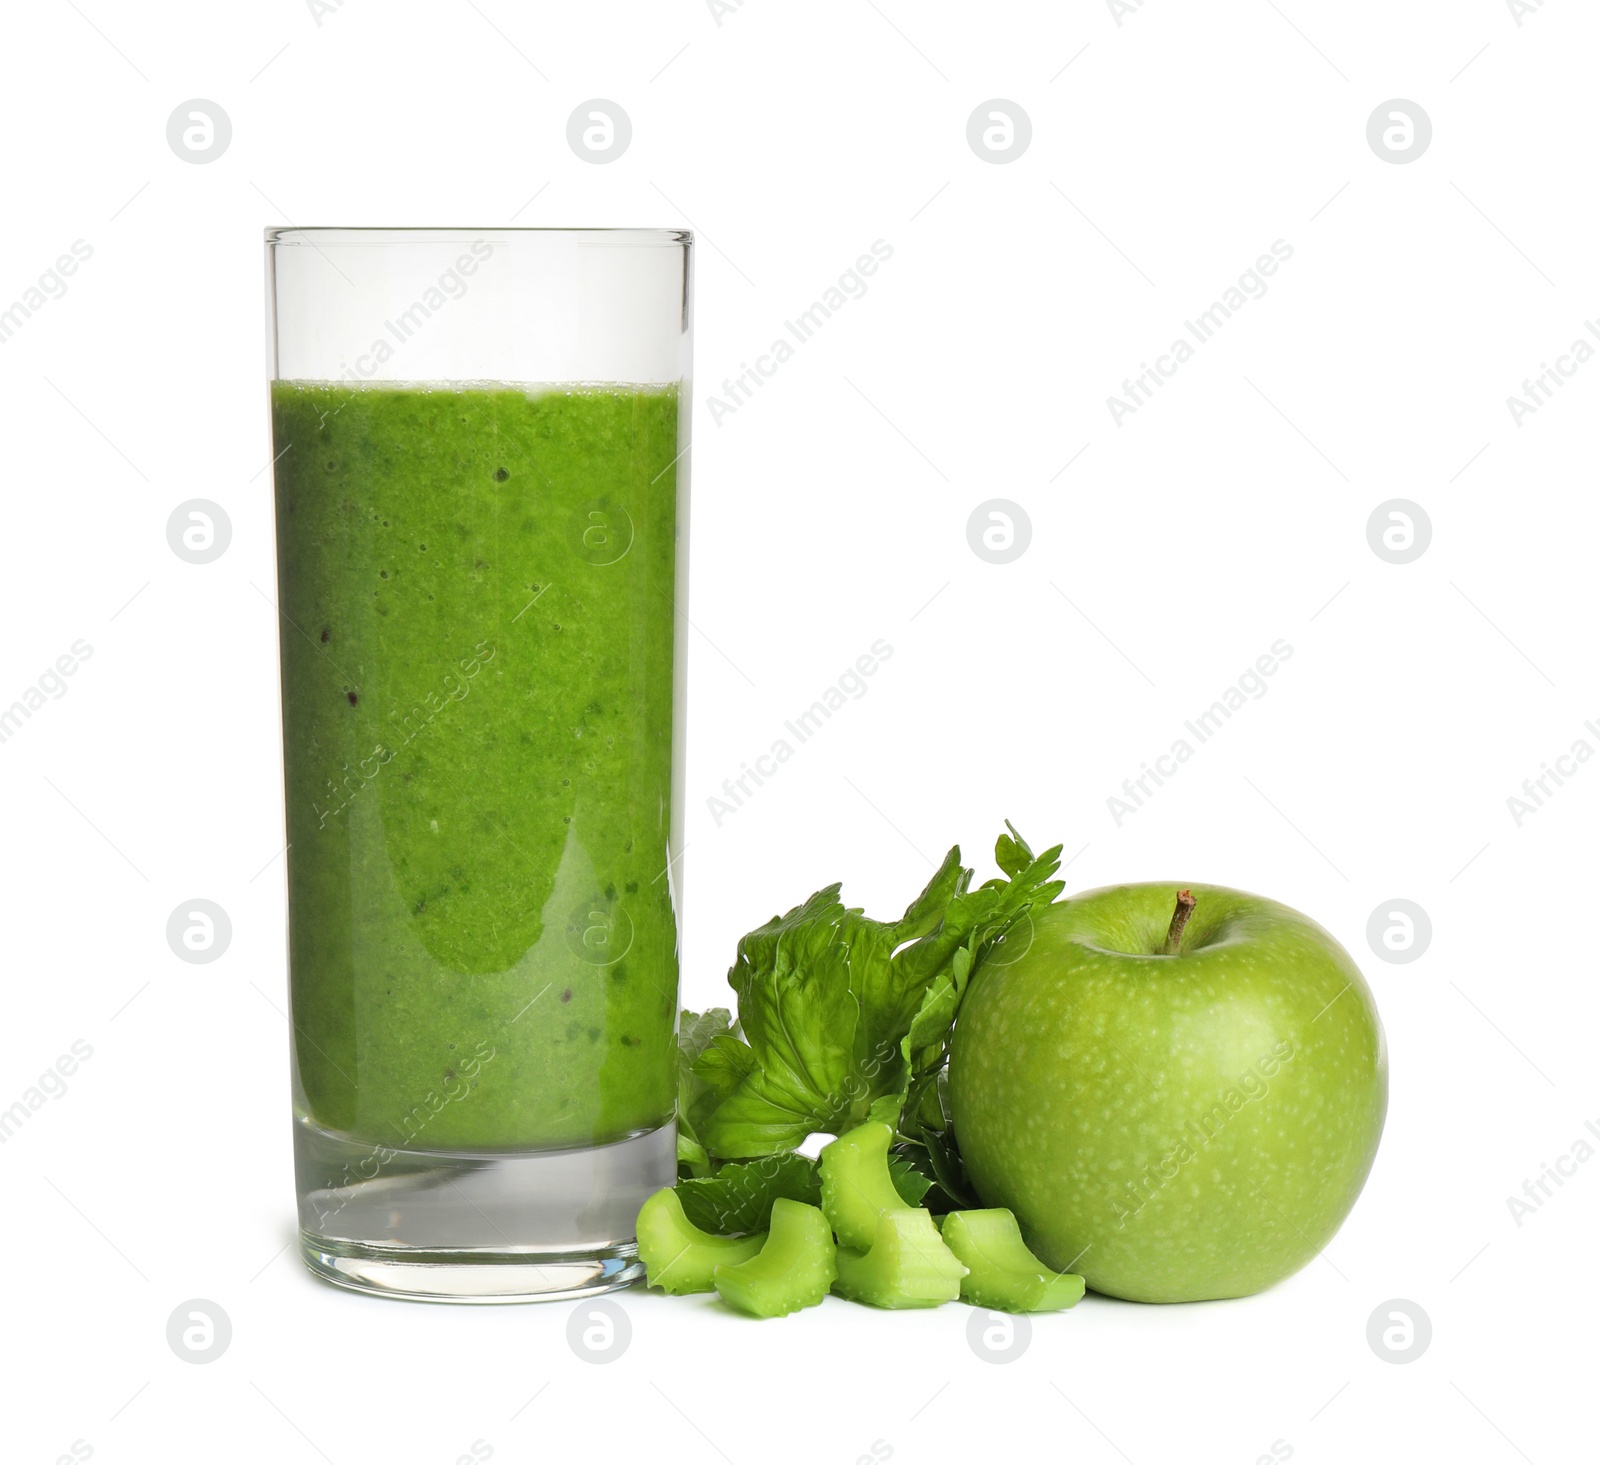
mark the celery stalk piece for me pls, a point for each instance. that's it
(1001, 1272)
(678, 1256)
(907, 1266)
(856, 1188)
(794, 1269)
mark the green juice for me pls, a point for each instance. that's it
(480, 681)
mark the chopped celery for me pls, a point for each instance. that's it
(856, 1186)
(678, 1256)
(1001, 1272)
(794, 1269)
(908, 1265)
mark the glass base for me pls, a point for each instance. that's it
(475, 1226)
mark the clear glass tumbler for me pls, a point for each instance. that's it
(482, 515)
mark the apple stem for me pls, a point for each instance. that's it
(1180, 919)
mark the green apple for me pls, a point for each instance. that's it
(1178, 1093)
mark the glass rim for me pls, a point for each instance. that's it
(320, 236)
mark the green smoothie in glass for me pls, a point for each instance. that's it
(477, 588)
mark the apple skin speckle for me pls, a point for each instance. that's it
(1173, 1128)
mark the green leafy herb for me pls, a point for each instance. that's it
(985, 925)
(825, 996)
(842, 1017)
(696, 1031)
(909, 1182)
(739, 1197)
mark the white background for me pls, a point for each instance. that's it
(1168, 152)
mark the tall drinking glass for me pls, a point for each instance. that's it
(479, 440)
